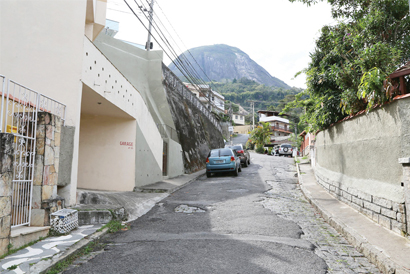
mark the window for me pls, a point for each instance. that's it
(236, 116)
(241, 117)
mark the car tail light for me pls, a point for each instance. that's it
(232, 159)
(239, 151)
(207, 160)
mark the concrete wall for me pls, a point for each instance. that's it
(6, 177)
(147, 169)
(175, 164)
(46, 55)
(107, 153)
(197, 128)
(242, 129)
(144, 71)
(357, 160)
(105, 84)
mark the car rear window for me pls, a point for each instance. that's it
(214, 153)
(286, 146)
(226, 152)
(237, 147)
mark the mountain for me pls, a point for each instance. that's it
(222, 62)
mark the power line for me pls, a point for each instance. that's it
(188, 67)
(184, 71)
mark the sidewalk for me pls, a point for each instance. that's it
(48, 252)
(387, 250)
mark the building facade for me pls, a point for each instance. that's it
(238, 119)
(280, 126)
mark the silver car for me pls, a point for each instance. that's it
(285, 149)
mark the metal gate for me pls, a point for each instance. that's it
(19, 109)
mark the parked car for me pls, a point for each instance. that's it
(242, 152)
(285, 149)
(223, 160)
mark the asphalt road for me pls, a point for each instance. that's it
(228, 231)
(240, 139)
(257, 222)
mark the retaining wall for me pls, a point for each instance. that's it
(357, 161)
(197, 128)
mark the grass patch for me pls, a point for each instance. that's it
(114, 226)
(64, 264)
(297, 161)
(12, 251)
(14, 266)
(304, 157)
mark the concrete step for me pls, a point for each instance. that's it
(23, 235)
(99, 214)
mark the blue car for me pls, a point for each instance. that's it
(223, 160)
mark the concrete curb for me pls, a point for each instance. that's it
(188, 182)
(44, 266)
(372, 253)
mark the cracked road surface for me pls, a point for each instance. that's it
(258, 222)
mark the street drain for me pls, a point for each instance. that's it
(187, 209)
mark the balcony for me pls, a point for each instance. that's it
(284, 129)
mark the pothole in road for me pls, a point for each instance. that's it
(188, 209)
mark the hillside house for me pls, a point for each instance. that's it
(238, 118)
(280, 126)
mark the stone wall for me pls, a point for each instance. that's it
(6, 178)
(45, 199)
(357, 161)
(198, 130)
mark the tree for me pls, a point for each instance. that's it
(295, 140)
(260, 136)
(350, 65)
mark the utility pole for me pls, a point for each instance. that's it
(253, 113)
(148, 46)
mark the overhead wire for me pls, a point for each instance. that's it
(188, 69)
(183, 43)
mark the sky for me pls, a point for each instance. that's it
(276, 34)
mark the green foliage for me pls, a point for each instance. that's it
(228, 104)
(260, 136)
(259, 149)
(250, 145)
(12, 267)
(244, 89)
(114, 226)
(66, 262)
(350, 65)
(295, 140)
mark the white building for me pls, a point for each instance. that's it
(218, 102)
(238, 119)
(211, 99)
(116, 116)
(280, 126)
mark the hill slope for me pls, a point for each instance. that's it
(222, 62)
